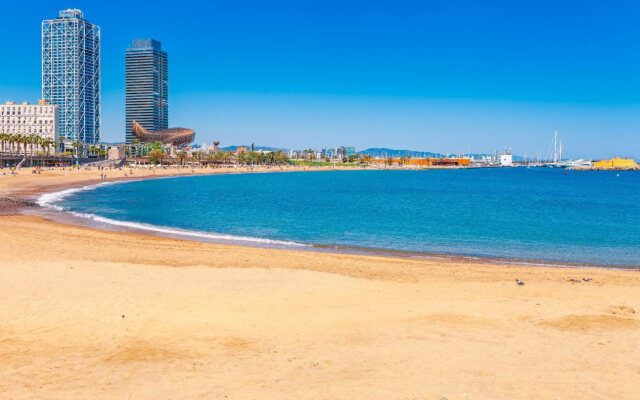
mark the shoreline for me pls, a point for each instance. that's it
(99, 222)
(96, 222)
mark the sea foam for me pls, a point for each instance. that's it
(49, 200)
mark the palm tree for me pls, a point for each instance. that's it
(182, 156)
(252, 158)
(310, 154)
(39, 147)
(242, 157)
(281, 158)
(24, 139)
(12, 140)
(4, 137)
(45, 143)
(18, 142)
(76, 146)
(32, 139)
(218, 157)
(156, 156)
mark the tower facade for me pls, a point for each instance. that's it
(146, 87)
(71, 74)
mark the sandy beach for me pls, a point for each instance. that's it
(94, 314)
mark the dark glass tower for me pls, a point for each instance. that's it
(146, 86)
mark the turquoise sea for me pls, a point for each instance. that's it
(547, 215)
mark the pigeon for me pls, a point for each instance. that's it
(586, 279)
(519, 282)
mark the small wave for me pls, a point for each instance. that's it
(183, 232)
(49, 200)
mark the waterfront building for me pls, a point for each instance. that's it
(71, 74)
(146, 87)
(506, 159)
(115, 153)
(26, 119)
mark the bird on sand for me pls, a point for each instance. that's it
(519, 282)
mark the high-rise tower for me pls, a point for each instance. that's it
(146, 86)
(71, 74)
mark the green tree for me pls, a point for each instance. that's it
(242, 157)
(156, 156)
(182, 156)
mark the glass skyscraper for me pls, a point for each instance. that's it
(146, 86)
(71, 74)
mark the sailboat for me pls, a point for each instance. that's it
(554, 154)
(555, 158)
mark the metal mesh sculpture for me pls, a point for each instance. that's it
(172, 136)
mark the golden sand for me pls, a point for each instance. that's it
(90, 314)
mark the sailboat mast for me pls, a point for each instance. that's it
(560, 152)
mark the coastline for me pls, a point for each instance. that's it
(55, 213)
(87, 312)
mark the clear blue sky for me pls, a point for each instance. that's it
(428, 75)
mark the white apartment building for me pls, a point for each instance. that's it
(29, 119)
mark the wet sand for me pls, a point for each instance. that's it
(87, 313)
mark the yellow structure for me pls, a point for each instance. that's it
(616, 163)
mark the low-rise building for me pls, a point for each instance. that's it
(506, 159)
(29, 119)
(115, 153)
